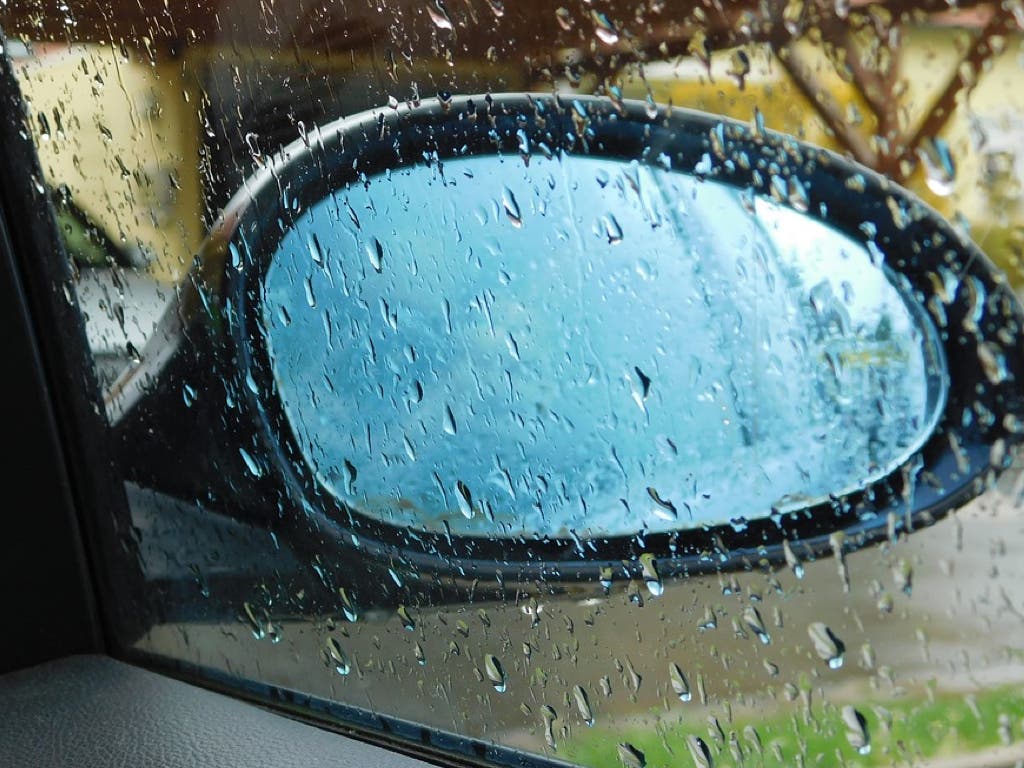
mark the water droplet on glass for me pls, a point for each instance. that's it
(797, 194)
(508, 201)
(604, 28)
(250, 463)
(630, 756)
(336, 656)
(549, 716)
(513, 346)
(664, 508)
(375, 254)
(315, 251)
(856, 730)
(710, 620)
(903, 576)
(679, 682)
(612, 229)
(828, 647)
(752, 618)
(792, 560)
(939, 168)
(255, 625)
(348, 607)
(495, 673)
(450, 427)
(310, 295)
(439, 14)
(464, 499)
(700, 752)
(650, 573)
(407, 620)
(583, 705)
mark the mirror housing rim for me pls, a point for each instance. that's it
(344, 151)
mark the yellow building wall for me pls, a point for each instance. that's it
(123, 134)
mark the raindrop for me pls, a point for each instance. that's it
(710, 620)
(797, 195)
(439, 15)
(885, 603)
(348, 607)
(650, 573)
(700, 752)
(410, 449)
(792, 560)
(513, 346)
(549, 716)
(751, 736)
(495, 673)
(315, 251)
(679, 682)
(603, 28)
(375, 254)
(336, 656)
(752, 618)
(645, 389)
(421, 657)
(635, 679)
(450, 426)
(255, 625)
(351, 473)
(612, 229)
(583, 705)
(856, 730)
(903, 576)
(250, 463)
(739, 67)
(465, 499)
(867, 656)
(407, 620)
(390, 64)
(828, 647)
(630, 756)
(939, 168)
(665, 509)
(508, 200)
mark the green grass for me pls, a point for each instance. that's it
(902, 731)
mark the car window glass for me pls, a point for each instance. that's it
(517, 438)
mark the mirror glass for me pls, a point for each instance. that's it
(581, 346)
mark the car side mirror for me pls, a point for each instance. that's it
(571, 339)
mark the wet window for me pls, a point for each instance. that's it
(626, 385)
(584, 345)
